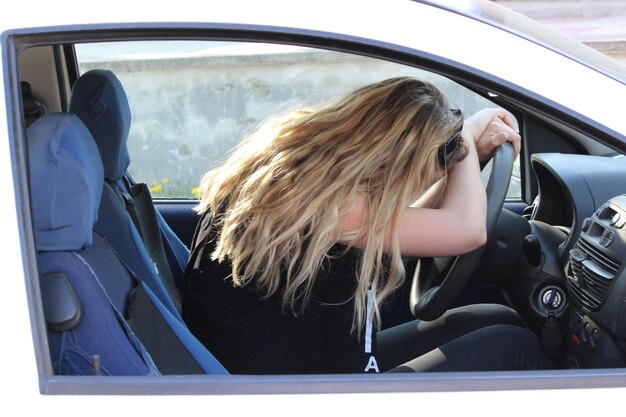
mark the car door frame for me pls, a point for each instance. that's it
(212, 384)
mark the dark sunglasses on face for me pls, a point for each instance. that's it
(447, 149)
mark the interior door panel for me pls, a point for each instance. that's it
(181, 217)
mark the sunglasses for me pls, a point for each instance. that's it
(446, 150)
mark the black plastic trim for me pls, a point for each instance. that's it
(60, 303)
(59, 63)
(71, 64)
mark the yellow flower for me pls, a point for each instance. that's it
(156, 188)
(165, 180)
(194, 191)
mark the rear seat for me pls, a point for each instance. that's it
(102, 314)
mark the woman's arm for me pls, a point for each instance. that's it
(457, 226)
(433, 196)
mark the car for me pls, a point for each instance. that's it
(198, 80)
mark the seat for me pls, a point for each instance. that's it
(66, 180)
(102, 317)
(99, 100)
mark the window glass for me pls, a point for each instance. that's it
(192, 102)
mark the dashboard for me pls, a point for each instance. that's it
(572, 187)
(572, 283)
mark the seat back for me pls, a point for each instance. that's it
(100, 101)
(87, 333)
(103, 318)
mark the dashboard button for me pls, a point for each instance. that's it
(607, 238)
(595, 337)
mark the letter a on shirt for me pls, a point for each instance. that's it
(372, 365)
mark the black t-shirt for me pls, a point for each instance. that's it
(252, 335)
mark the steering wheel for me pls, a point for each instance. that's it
(438, 282)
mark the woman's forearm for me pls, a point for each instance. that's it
(464, 197)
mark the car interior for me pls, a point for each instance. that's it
(111, 250)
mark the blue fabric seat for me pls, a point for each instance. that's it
(87, 287)
(99, 100)
(66, 180)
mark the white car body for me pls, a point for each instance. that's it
(486, 49)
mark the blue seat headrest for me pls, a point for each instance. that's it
(100, 101)
(66, 181)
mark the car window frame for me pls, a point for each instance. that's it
(13, 41)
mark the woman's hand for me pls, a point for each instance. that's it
(490, 128)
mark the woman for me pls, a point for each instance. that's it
(305, 228)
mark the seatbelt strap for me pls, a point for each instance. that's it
(166, 349)
(145, 320)
(140, 208)
(152, 239)
(176, 252)
(124, 194)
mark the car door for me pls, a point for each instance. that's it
(534, 109)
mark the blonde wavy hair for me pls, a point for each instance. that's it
(278, 199)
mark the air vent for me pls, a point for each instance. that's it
(591, 273)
